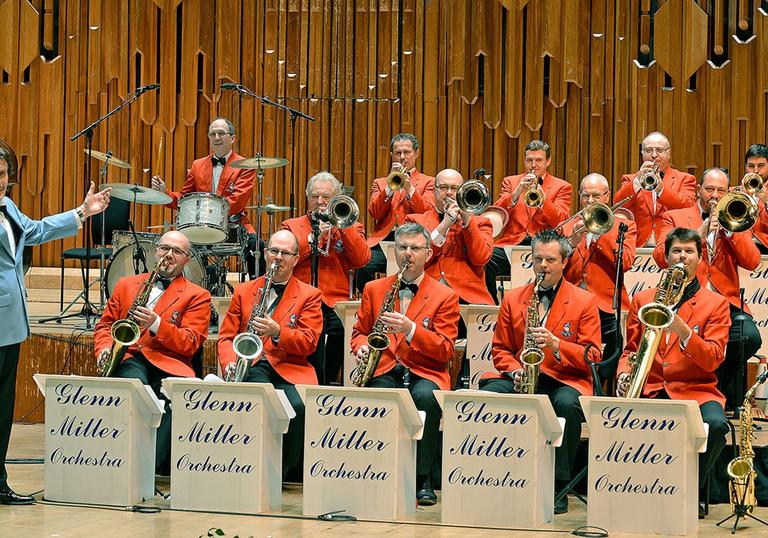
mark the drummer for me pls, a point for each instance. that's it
(214, 174)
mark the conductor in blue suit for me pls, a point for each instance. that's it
(17, 230)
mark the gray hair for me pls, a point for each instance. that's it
(230, 125)
(536, 145)
(413, 228)
(323, 177)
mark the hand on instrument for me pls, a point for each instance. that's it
(517, 379)
(679, 327)
(647, 166)
(452, 212)
(144, 317)
(229, 371)
(622, 385)
(158, 184)
(266, 327)
(95, 202)
(396, 322)
(526, 182)
(103, 359)
(361, 353)
(578, 233)
(545, 339)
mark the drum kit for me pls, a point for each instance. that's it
(202, 216)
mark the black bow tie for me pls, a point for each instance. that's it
(4, 210)
(164, 282)
(218, 160)
(279, 288)
(549, 293)
(704, 215)
(409, 286)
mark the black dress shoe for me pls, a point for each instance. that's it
(561, 506)
(8, 496)
(425, 496)
(702, 511)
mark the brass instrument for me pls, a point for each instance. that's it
(751, 183)
(531, 356)
(126, 332)
(378, 339)
(248, 345)
(533, 197)
(598, 218)
(342, 212)
(650, 178)
(397, 178)
(473, 197)
(656, 317)
(737, 211)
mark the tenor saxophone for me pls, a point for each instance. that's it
(531, 356)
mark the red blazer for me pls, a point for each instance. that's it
(235, 184)
(348, 251)
(434, 309)
(389, 212)
(524, 220)
(596, 266)
(461, 259)
(733, 252)
(300, 316)
(185, 311)
(685, 374)
(760, 229)
(679, 192)
(573, 318)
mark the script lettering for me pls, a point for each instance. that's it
(74, 394)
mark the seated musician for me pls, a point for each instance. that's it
(462, 243)
(592, 265)
(289, 328)
(568, 326)
(553, 206)
(723, 253)
(690, 349)
(421, 325)
(341, 251)
(173, 323)
(756, 162)
(388, 207)
(214, 173)
(675, 190)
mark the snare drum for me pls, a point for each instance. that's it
(122, 264)
(120, 238)
(202, 217)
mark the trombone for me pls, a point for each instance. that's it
(737, 211)
(473, 196)
(598, 218)
(342, 212)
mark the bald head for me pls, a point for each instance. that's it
(656, 148)
(175, 248)
(594, 188)
(447, 183)
(176, 239)
(285, 237)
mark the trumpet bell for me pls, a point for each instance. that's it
(473, 197)
(737, 211)
(533, 198)
(752, 183)
(396, 180)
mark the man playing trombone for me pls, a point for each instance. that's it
(339, 241)
(727, 245)
(288, 329)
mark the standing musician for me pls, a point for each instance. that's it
(341, 251)
(536, 201)
(17, 230)
(567, 332)
(214, 173)
(690, 350)
(289, 332)
(592, 264)
(756, 162)
(422, 326)
(173, 325)
(655, 192)
(414, 193)
(462, 243)
(723, 253)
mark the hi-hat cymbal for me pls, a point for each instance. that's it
(270, 208)
(260, 162)
(136, 193)
(112, 160)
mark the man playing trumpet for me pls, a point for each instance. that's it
(422, 328)
(756, 162)
(173, 326)
(289, 332)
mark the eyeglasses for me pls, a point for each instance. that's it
(164, 249)
(657, 151)
(589, 196)
(285, 254)
(402, 249)
(218, 134)
(446, 188)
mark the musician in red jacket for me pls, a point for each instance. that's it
(342, 250)
(388, 208)
(676, 190)
(173, 324)
(569, 328)
(756, 162)
(289, 331)
(723, 253)
(422, 328)
(691, 349)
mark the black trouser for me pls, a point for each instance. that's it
(609, 335)
(378, 264)
(9, 361)
(498, 265)
(328, 358)
(293, 440)
(422, 392)
(565, 401)
(138, 367)
(728, 372)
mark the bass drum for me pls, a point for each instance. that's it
(122, 264)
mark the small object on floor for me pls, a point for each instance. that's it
(561, 506)
(702, 511)
(8, 496)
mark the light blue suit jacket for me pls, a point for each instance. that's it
(14, 324)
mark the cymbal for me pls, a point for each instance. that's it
(270, 208)
(260, 162)
(112, 160)
(136, 193)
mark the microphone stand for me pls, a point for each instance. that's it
(740, 374)
(315, 218)
(619, 279)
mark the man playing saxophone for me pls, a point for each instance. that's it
(422, 328)
(289, 332)
(691, 348)
(568, 328)
(173, 325)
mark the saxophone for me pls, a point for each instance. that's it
(531, 356)
(126, 332)
(378, 340)
(248, 345)
(656, 317)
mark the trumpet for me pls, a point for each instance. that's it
(751, 183)
(342, 212)
(650, 178)
(473, 197)
(533, 197)
(397, 178)
(598, 218)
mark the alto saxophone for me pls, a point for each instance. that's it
(126, 332)
(248, 345)
(531, 356)
(378, 339)
(655, 317)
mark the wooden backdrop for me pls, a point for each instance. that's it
(475, 80)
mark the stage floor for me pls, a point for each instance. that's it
(49, 519)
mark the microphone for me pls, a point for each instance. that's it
(229, 86)
(147, 88)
